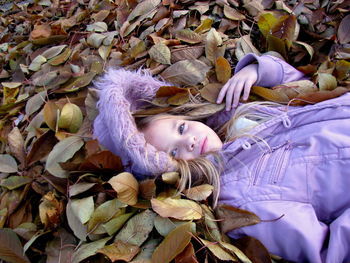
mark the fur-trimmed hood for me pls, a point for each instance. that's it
(121, 93)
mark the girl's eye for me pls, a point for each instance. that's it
(182, 128)
(173, 152)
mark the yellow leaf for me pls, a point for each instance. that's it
(61, 58)
(177, 208)
(218, 252)
(71, 118)
(170, 177)
(200, 192)
(126, 186)
(222, 69)
(173, 244)
(119, 250)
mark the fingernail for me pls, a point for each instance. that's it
(228, 109)
(218, 102)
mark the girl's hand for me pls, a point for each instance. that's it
(243, 80)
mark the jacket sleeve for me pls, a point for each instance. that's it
(272, 71)
(297, 236)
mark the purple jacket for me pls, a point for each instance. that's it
(302, 175)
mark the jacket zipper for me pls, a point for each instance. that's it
(280, 162)
(260, 164)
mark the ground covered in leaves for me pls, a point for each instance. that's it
(63, 198)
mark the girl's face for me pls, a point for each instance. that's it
(182, 139)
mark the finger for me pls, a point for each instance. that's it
(222, 92)
(229, 96)
(247, 87)
(237, 94)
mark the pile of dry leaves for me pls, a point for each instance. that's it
(63, 198)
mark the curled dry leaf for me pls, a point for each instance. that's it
(232, 13)
(51, 112)
(177, 208)
(222, 69)
(71, 118)
(50, 210)
(126, 186)
(233, 218)
(199, 193)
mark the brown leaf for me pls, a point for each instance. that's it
(41, 147)
(103, 160)
(285, 92)
(318, 96)
(188, 36)
(167, 91)
(148, 189)
(179, 98)
(173, 244)
(233, 218)
(222, 69)
(344, 30)
(186, 72)
(119, 250)
(177, 208)
(92, 147)
(254, 249)
(40, 31)
(285, 28)
(51, 112)
(232, 13)
(50, 210)
(187, 255)
(126, 187)
(16, 143)
(211, 91)
(188, 52)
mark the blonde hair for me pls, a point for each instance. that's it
(202, 170)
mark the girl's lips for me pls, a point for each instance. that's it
(204, 144)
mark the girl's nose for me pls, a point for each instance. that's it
(191, 143)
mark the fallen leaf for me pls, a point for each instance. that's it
(83, 208)
(160, 53)
(14, 182)
(11, 249)
(50, 210)
(222, 69)
(232, 13)
(61, 58)
(137, 228)
(186, 72)
(102, 160)
(326, 81)
(51, 112)
(188, 36)
(187, 255)
(8, 164)
(344, 30)
(173, 244)
(218, 251)
(126, 187)
(233, 218)
(119, 250)
(53, 51)
(16, 144)
(88, 250)
(63, 151)
(199, 193)
(211, 91)
(177, 208)
(213, 46)
(71, 118)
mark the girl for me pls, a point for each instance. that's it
(276, 161)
